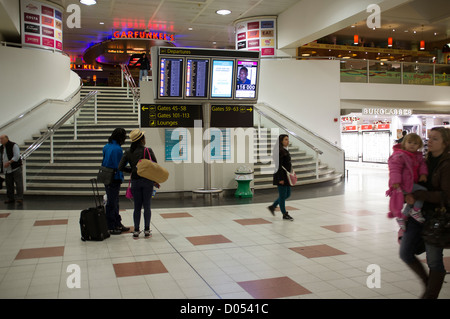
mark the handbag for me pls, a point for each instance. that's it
(129, 194)
(292, 177)
(150, 170)
(106, 175)
(436, 228)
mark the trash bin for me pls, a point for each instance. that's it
(243, 176)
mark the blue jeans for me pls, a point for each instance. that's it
(284, 192)
(141, 74)
(112, 205)
(142, 190)
(417, 204)
(413, 244)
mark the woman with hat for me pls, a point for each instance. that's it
(141, 188)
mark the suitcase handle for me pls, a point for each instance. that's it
(96, 192)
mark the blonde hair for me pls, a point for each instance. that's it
(413, 137)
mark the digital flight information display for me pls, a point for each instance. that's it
(197, 77)
(170, 77)
(222, 78)
(246, 79)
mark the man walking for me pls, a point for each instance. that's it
(11, 165)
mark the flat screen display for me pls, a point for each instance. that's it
(171, 77)
(246, 79)
(222, 79)
(197, 76)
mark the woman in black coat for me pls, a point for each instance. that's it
(280, 178)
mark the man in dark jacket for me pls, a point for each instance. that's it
(11, 165)
(144, 68)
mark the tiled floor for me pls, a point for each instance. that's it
(227, 252)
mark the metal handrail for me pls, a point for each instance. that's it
(37, 106)
(50, 131)
(130, 80)
(301, 127)
(315, 149)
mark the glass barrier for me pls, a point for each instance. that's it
(417, 73)
(354, 71)
(442, 75)
(385, 72)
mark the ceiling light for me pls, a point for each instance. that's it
(190, 29)
(88, 2)
(223, 12)
(102, 22)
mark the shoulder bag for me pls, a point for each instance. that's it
(292, 177)
(150, 170)
(106, 175)
(436, 228)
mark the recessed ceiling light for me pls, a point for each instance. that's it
(223, 12)
(102, 22)
(190, 29)
(88, 2)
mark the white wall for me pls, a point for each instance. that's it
(27, 77)
(305, 91)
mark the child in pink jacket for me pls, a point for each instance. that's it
(407, 168)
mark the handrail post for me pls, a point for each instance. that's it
(24, 172)
(95, 109)
(52, 158)
(317, 165)
(75, 137)
(401, 72)
(434, 74)
(368, 70)
(121, 76)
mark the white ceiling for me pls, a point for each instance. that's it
(214, 31)
(170, 15)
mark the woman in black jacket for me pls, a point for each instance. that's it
(280, 178)
(141, 188)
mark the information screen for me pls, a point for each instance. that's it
(222, 79)
(246, 79)
(170, 77)
(197, 77)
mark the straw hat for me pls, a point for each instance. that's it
(136, 135)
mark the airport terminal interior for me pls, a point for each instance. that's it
(214, 86)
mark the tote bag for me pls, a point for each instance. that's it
(150, 170)
(292, 177)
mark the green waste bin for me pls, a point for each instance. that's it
(244, 176)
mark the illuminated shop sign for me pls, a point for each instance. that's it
(386, 111)
(91, 67)
(144, 35)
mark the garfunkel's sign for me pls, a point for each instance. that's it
(386, 111)
(154, 35)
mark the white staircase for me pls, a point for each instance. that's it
(304, 165)
(77, 161)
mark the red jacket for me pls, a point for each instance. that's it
(404, 167)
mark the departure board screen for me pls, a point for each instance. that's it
(171, 77)
(222, 79)
(197, 78)
(246, 79)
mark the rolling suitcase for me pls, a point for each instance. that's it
(93, 223)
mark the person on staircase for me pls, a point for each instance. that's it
(11, 165)
(112, 154)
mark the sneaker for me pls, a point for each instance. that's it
(417, 215)
(147, 233)
(136, 233)
(401, 223)
(123, 229)
(288, 217)
(272, 210)
(114, 231)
